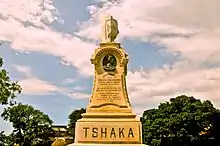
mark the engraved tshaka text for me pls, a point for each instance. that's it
(108, 132)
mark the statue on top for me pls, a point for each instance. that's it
(109, 29)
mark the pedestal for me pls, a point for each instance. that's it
(108, 131)
(109, 120)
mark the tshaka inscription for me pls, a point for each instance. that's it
(108, 131)
(101, 132)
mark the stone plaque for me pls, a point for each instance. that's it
(109, 91)
(109, 87)
(104, 132)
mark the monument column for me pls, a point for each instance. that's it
(109, 118)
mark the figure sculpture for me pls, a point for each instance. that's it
(109, 30)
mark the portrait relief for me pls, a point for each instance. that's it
(109, 62)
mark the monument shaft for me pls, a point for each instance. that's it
(109, 118)
(109, 87)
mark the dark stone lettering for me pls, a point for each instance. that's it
(113, 133)
(85, 129)
(104, 132)
(121, 134)
(130, 133)
(94, 132)
(107, 132)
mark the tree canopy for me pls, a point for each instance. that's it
(73, 117)
(8, 88)
(31, 126)
(2, 138)
(179, 121)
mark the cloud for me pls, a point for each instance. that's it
(35, 86)
(79, 95)
(69, 49)
(79, 88)
(157, 16)
(198, 49)
(138, 24)
(69, 80)
(38, 12)
(26, 70)
(188, 28)
(25, 24)
(31, 85)
(152, 87)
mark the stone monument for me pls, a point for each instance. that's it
(109, 119)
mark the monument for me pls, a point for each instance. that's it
(109, 119)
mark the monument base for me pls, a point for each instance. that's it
(92, 144)
(108, 131)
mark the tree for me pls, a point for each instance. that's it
(6, 140)
(2, 138)
(8, 89)
(73, 117)
(31, 126)
(179, 122)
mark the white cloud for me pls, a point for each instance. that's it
(204, 47)
(157, 16)
(180, 25)
(70, 49)
(26, 70)
(134, 20)
(79, 88)
(69, 80)
(31, 85)
(78, 95)
(24, 23)
(190, 28)
(35, 86)
(37, 12)
(155, 86)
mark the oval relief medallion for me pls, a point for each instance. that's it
(109, 62)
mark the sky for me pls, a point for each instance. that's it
(173, 48)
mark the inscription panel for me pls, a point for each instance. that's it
(123, 132)
(109, 90)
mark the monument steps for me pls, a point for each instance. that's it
(108, 115)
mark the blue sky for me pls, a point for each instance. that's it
(172, 50)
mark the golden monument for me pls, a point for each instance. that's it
(109, 119)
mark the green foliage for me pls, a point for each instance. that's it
(73, 117)
(9, 140)
(6, 140)
(2, 138)
(178, 122)
(31, 126)
(8, 89)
